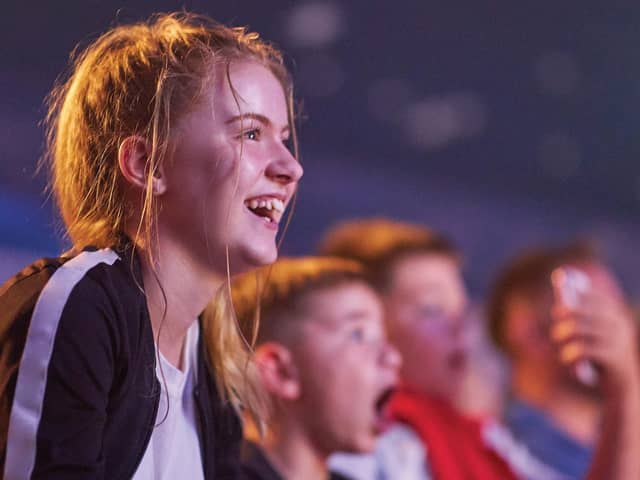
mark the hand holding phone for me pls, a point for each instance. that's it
(569, 284)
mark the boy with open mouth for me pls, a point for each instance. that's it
(322, 361)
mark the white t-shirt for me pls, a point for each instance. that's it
(174, 449)
(399, 454)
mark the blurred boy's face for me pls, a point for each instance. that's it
(345, 366)
(425, 303)
(528, 320)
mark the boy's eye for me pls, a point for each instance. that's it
(430, 311)
(357, 334)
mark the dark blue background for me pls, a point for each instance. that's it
(541, 162)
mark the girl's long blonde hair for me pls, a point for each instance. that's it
(139, 79)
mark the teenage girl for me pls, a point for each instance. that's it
(170, 159)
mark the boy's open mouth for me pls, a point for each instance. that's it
(381, 419)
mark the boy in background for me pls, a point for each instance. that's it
(417, 273)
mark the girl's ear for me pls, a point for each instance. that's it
(133, 156)
(277, 370)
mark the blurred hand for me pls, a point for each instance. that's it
(599, 328)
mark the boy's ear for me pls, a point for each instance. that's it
(277, 370)
(133, 156)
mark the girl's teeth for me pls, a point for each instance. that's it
(278, 204)
(269, 204)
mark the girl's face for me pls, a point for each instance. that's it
(230, 173)
(426, 306)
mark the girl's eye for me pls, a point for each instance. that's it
(253, 134)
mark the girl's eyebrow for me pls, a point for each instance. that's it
(250, 116)
(254, 116)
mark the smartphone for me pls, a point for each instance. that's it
(569, 284)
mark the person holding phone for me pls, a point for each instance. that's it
(550, 331)
(597, 336)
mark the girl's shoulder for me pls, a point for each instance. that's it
(76, 343)
(91, 288)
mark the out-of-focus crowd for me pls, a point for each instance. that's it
(373, 356)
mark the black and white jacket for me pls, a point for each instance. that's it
(78, 388)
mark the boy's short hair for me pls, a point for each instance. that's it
(273, 294)
(529, 273)
(379, 243)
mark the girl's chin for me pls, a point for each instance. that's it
(253, 258)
